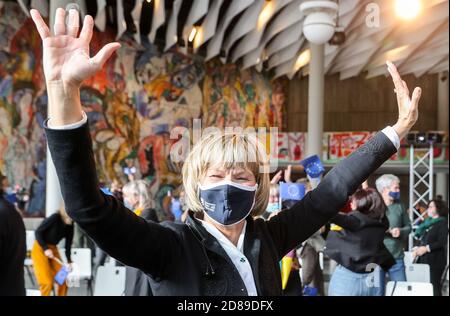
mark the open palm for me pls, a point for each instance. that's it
(66, 55)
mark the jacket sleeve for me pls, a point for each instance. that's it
(405, 230)
(293, 226)
(39, 233)
(441, 239)
(347, 221)
(130, 239)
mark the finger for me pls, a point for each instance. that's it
(277, 177)
(74, 23)
(405, 87)
(417, 93)
(41, 27)
(103, 55)
(60, 25)
(395, 76)
(88, 27)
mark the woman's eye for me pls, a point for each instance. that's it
(215, 176)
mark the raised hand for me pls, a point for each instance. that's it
(66, 55)
(287, 174)
(277, 177)
(67, 63)
(408, 108)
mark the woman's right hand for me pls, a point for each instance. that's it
(67, 62)
(49, 253)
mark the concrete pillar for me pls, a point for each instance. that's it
(53, 196)
(316, 100)
(442, 118)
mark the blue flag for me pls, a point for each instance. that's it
(292, 191)
(313, 166)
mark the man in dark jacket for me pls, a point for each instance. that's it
(12, 249)
(191, 258)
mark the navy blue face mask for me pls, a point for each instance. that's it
(226, 202)
(395, 195)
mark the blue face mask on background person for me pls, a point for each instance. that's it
(273, 207)
(226, 202)
(395, 195)
(128, 205)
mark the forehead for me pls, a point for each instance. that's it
(220, 167)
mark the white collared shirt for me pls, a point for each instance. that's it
(236, 254)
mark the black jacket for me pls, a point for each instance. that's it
(184, 259)
(360, 244)
(136, 282)
(436, 238)
(12, 250)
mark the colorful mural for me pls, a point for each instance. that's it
(132, 106)
(244, 98)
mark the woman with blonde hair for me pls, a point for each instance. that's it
(45, 254)
(225, 178)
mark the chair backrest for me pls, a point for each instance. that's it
(417, 272)
(110, 281)
(30, 238)
(409, 289)
(82, 262)
(408, 259)
(33, 292)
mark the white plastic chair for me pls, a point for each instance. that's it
(109, 281)
(30, 238)
(409, 289)
(418, 272)
(33, 292)
(408, 259)
(81, 265)
(28, 263)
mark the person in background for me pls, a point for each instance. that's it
(433, 235)
(137, 198)
(312, 275)
(358, 248)
(45, 253)
(36, 207)
(176, 208)
(8, 192)
(12, 248)
(396, 237)
(116, 190)
(274, 201)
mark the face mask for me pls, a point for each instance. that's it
(272, 207)
(395, 195)
(128, 205)
(227, 203)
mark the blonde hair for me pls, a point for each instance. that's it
(227, 150)
(274, 189)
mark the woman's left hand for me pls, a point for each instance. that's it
(420, 251)
(408, 112)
